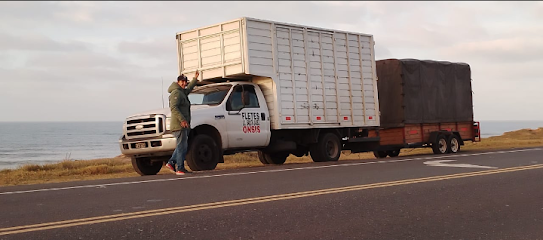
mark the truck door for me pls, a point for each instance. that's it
(247, 121)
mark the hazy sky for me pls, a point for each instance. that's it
(102, 61)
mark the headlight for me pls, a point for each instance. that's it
(168, 123)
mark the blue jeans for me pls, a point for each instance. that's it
(181, 149)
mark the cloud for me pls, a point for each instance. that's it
(163, 47)
(38, 42)
(79, 60)
(512, 50)
(105, 60)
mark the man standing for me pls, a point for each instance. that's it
(180, 120)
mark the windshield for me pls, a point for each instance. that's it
(212, 95)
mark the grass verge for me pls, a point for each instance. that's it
(118, 167)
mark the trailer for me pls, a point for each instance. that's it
(424, 103)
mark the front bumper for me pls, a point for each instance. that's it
(148, 147)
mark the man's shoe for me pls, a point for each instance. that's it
(169, 166)
(179, 173)
(184, 170)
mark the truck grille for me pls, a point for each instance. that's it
(144, 127)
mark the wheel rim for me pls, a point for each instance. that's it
(204, 153)
(331, 149)
(454, 145)
(442, 145)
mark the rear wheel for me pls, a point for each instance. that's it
(272, 158)
(454, 144)
(327, 149)
(380, 154)
(441, 145)
(144, 166)
(393, 153)
(203, 153)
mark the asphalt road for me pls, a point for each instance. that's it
(475, 195)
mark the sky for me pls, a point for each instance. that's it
(103, 61)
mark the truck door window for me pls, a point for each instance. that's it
(249, 95)
(235, 102)
(243, 96)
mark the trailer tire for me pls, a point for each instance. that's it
(203, 153)
(273, 158)
(393, 153)
(380, 154)
(441, 144)
(327, 149)
(453, 144)
(144, 166)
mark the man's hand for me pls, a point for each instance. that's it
(196, 74)
(184, 124)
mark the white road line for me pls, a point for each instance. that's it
(266, 171)
(442, 163)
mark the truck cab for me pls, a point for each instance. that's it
(229, 116)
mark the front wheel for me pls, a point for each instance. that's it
(144, 166)
(327, 149)
(203, 153)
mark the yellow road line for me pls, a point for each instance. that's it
(239, 202)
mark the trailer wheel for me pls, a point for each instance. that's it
(393, 153)
(144, 166)
(441, 145)
(273, 158)
(380, 154)
(454, 144)
(203, 153)
(327, 149)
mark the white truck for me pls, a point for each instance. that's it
(265, 86)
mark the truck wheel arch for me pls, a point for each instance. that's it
(210, 131)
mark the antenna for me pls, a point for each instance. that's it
(162, 91)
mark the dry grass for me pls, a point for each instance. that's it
(72, 170)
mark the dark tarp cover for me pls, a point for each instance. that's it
(415, 91)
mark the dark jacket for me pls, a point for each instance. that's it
(180, 104)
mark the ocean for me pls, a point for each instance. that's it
(48, 142)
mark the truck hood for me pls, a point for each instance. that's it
(166, 111)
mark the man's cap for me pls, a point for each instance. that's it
(182, 77)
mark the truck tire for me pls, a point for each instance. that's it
(327, 149)
(144, 166)
(203, 153)
(454, 144)
(272, 158)
(262, 158)
(441, 145)
(380, 154)
(393, 153)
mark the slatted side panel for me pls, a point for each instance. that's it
(344, 83)
(326, 54)
(215, 50)
(260, 48)
(322, 85)
(369, 87)
(322, 77)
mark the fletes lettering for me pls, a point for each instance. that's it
(251, 122)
